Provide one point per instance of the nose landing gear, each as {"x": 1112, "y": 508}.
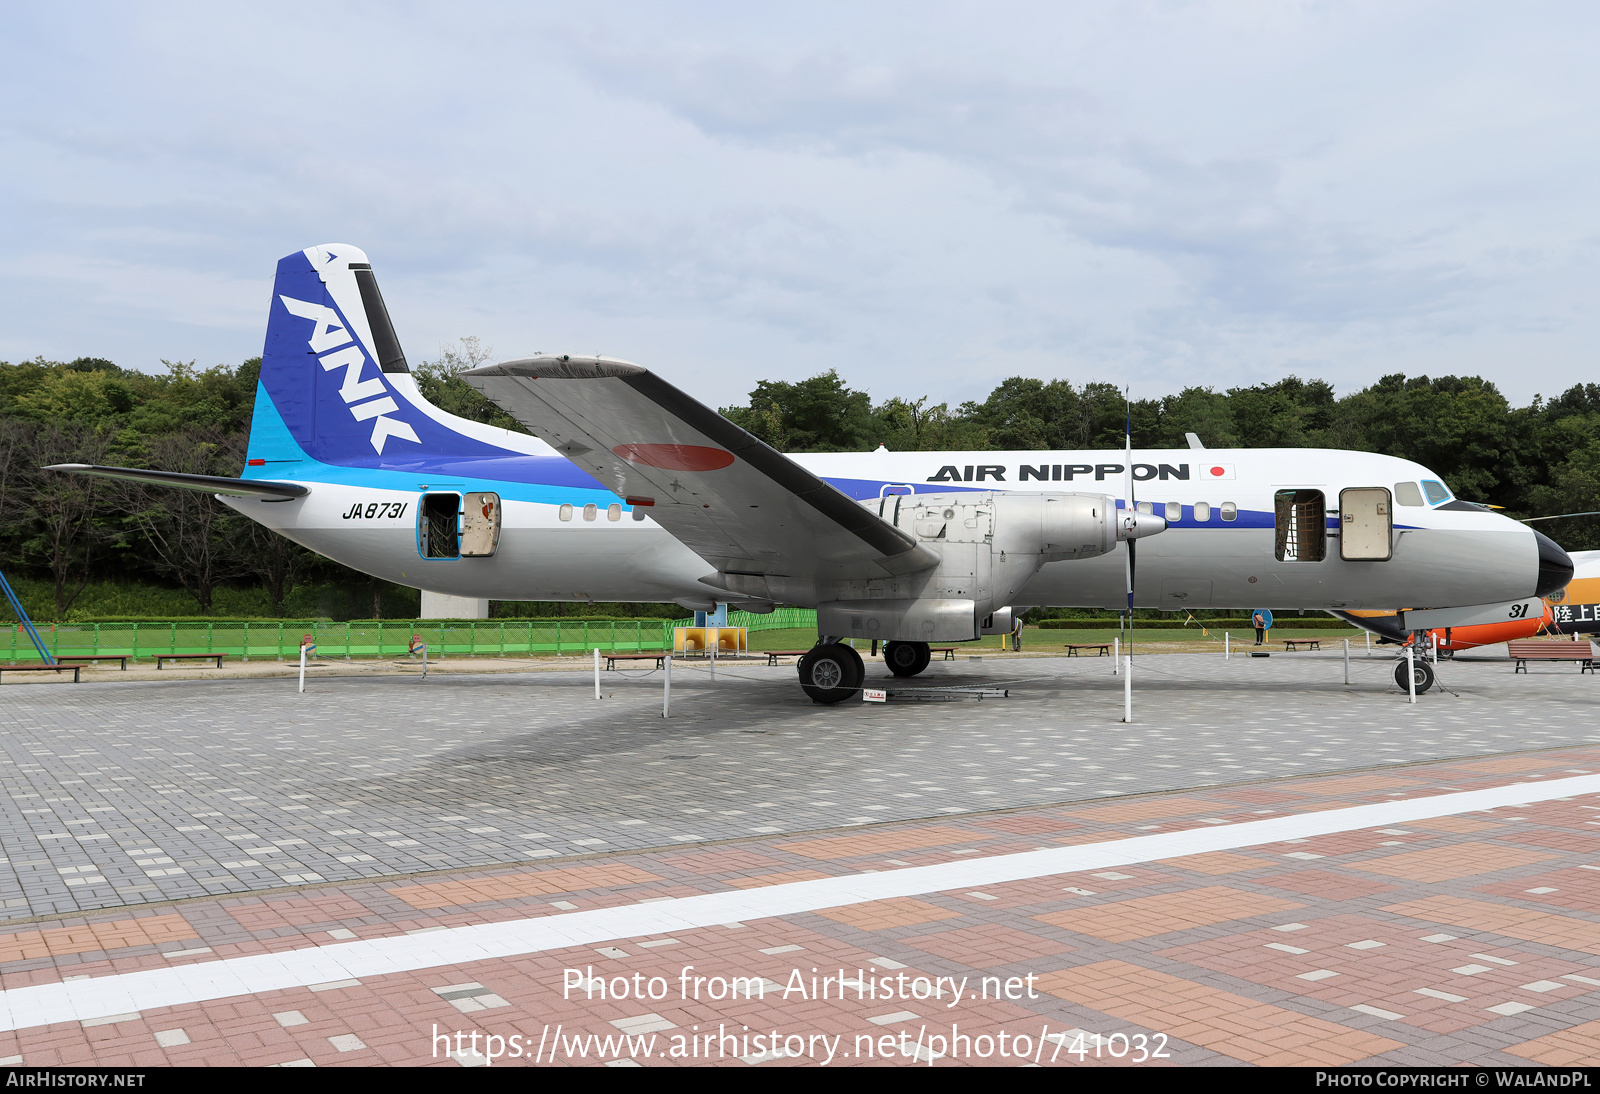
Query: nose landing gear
{"x": 1421, "y": 670}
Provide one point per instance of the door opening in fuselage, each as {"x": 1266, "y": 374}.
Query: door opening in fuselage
{"x": 438, "y": 526}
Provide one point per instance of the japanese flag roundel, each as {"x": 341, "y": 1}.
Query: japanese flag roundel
{"x": 1216, "y": 471}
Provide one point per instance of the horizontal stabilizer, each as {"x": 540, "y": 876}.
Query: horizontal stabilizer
{"x": 206, "y": 484}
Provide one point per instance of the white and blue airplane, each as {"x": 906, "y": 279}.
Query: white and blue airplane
{"x": 631, "y": 490}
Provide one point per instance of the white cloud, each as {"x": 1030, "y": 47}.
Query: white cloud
{"x": 927, "y": 198}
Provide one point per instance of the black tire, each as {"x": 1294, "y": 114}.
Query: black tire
{"x": 832, "y": 673}
{"x": 1421, "y": 669}
{"x": 1446, "y": 655}
{"x": 906, "y": 658}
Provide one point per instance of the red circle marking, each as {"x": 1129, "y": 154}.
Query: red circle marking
{"x": 675, "y": 457}
{"x": 1219, "y": 471}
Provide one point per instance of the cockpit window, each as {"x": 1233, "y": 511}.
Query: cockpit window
{"x": 1406, "y": 493}
{"x": 1436, "y": 491}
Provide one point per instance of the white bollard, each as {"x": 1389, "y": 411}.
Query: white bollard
{"x": 1347, "y": 662}
{"x": 597, "y": 672}
{"x": 1227, "y": 646}
{"x": 1411, "y": 672}
{"x": 714, "y": 646}
{"x": 1127, "y": 690}
{"x": 666, "y": 690}
{"x": 1116, "y": 654}
{"x": 1369, "y": 642}
{"x": 302, "y": 668}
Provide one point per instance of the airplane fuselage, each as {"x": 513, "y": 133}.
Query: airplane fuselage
{"x": 564, "y": 537}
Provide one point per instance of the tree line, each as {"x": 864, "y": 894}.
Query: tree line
{"x": 1540, "y": 459}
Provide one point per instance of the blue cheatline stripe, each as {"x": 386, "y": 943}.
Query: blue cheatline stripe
{"x": 123, "y": 993}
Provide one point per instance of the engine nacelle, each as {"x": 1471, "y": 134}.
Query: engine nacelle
{"x": 990, "y": 545}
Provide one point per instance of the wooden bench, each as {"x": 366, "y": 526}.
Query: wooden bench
{"x": 74, "y": 669}
{"x": 121, "y": 661}
{"x": 1103, "y": 647}
{"x": 773, "y": 655}
{"x": 1543, "y": 650}
{"x": 1309, "y": 643}
{"x": 660, "y": 658}
{"x": 217, "y": 657}
{"x": 948, "y": 651}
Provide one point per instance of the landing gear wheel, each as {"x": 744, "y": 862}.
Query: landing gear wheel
{"x": 1420, "y": 669}
{"x": 1445, "y": 655}
{"x": 832, "y": 673}
{"x": 906, "y": 658}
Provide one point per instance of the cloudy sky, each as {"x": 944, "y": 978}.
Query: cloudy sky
{"x": 929, "y": 198}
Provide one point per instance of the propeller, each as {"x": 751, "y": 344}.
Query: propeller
{"x": 1133, "y": 508}
{"x": 1558, "y": 516}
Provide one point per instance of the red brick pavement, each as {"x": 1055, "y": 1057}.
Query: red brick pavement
{"x": 1472, "y": 939}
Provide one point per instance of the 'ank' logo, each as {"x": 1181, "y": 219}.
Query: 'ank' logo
{"x": 328, "y": 333}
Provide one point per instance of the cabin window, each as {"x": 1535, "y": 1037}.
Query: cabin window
{"x": 1202, "y": 511}
{"x": 566, "y": 511}
{"x": 1436, "y": 491}
{"x": 1146, "y": 508}
{"x": 613, "y": 511}
{"x": 1230, "y": 511}
{"x": 638, "y": 512}
{"x": 590, "y": 511}
{"x": 1302, "y": 526}
{"x": 1174, "y": 512}
{"x": 438, "y": 534}
{"x": 1407, "y": 493}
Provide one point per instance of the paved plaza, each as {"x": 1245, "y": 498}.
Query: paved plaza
{"x": 194, "y": 823}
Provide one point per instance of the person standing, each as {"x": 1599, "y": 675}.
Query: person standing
{"x": 1259, "y": 621}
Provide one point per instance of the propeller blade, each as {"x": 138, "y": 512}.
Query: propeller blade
{"x": 1133, "y": 505}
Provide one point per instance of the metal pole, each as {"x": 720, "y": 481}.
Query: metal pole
{"x": 666, "y": 689}
{"x": 1227, "y": 646}
{"x": 1411, "y": 672}
{"x": 302, "y": 669}
{"x": 714, "y": 644}
{"x": 1347, "y": 662}
{"x": 597, "y": 672}
{"x": 1127, "y": 690}
{"x": 1116, "y": 654}
{"x": 1368, "y": 635}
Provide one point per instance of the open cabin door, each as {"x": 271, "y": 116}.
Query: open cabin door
{"x": 1366, "y": 524}
{"x": 480, "y": 525}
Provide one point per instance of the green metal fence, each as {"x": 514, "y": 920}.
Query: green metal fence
{"x": 271, "y": 640}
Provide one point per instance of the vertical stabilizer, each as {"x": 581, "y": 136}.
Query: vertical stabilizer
{"x": 329, "y": 369}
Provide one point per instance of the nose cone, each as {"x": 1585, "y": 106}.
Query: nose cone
{"x": 1555, "y": 568}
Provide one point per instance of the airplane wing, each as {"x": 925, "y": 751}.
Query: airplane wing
{"x": 206, "y": 484}
{"x": 736, "y": 502}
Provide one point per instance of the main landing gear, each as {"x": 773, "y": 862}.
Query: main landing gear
{"x": 906, "y": 658}
{"x": 831, "y": 672}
